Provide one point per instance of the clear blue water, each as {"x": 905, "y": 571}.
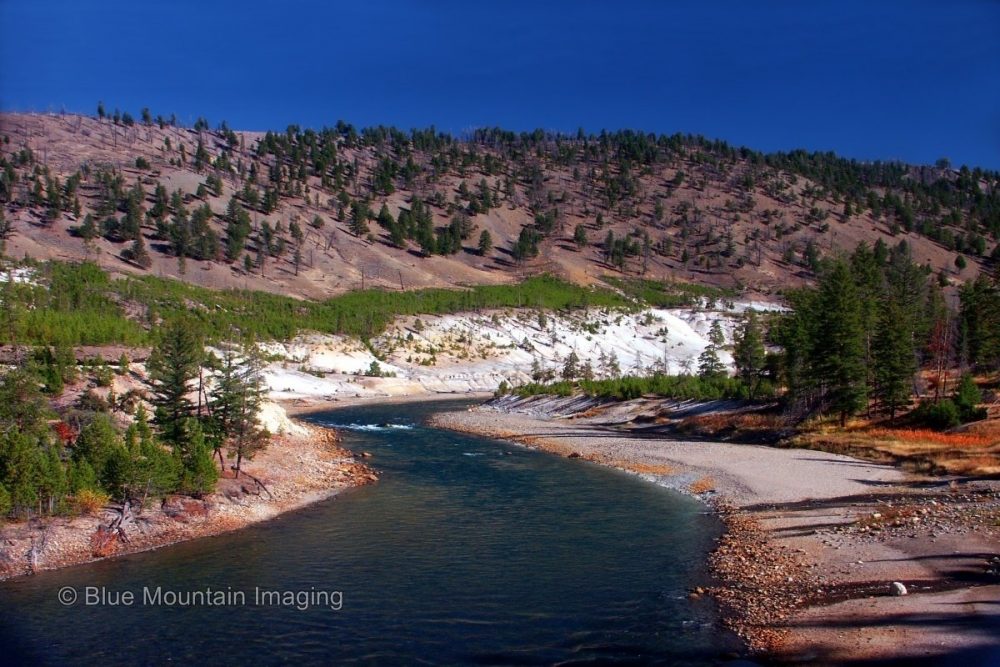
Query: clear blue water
{"x": 467, "y": 551}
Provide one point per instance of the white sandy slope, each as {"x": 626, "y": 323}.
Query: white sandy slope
{"x": 475, "y": 352}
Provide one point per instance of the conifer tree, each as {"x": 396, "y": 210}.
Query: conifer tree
{"x": 709, "y": 364}
{"x": 194, "y": 455}
{"x": 359, "y": 218}
{"x": 235, "y": 403}
{"x": 715, "y": 334}
{"x": 485, "y": 242}
{"x": 749, "y": 355}
{"x": 153, "y": 471}
{"x": 838, "y": 357}
{"x": 894, "y": 357}
{"x": 173, "y": 366}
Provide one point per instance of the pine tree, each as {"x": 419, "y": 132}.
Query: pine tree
{"x": 838, "y": 356}
{"x": 194, "y": 455}
{"x": 154, "y": 472}
{"x": 709, "y": 364}
{"x": 749, "y": 354}
{"x": 485, "y": 243}
{"x": 359, "y": 218}
{"x": 138, "y": 253}
{"x": 173, "y": 365}
{"x": 385, "y": 219}
{"x": 967, "y": 400}
{"x": 235, "y": 403}
{"x": 894, "y": 357}
{"x": 715, "y": 334}
{"x": 571, "y": 367}
{"x": 97, "y": 445}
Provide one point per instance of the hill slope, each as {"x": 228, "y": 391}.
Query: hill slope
{"x": 307, "y": 203}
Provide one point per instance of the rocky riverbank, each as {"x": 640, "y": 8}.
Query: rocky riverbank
{"x": 815, "y": 542}
{"x": 302, "y": 465}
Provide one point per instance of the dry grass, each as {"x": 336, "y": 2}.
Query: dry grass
{"x": 925, "y": 436}
{"x": 743, "y": 420}
{"x": 975, "y": 451}
{"x": 702, "y": 485}
{"x": 88, "y": 501}
{"x": 646, "y": 468}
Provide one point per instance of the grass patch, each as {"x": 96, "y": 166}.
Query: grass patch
{"x": 966, "y": 453}
{"x": 78, "y": 304}
{"x": 669, "y": 294}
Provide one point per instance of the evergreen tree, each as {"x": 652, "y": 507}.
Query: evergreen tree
{"x": 235, "y": 403}
{"x": 100, "y": 446}
{"x": 138, "y": 253}
{"x": 715, "y": 334}
{"x": 485, "y": 243}
{"x": 194, "y": 455}
{"x": 894, "y": 358}
{"x": 749, "y": 354}
{"x": 571, "y": 367}
{"x": 709, "y": 364}
{"x": 385, "y": 219}
{"x": 967, "y": 400}
{"x": 397, "y": 235}
{"x": 838, "y": 357}
{"x": 359, "y": 218}
{"x": 153, "y": 471}
{"x": 173, "y": 365}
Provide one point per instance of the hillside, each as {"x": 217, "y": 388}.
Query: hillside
{"x": 316, "y": 213}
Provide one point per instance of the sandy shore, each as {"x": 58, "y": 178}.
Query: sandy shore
{"x": 814, "y": 542}
{"x": 296, "y": 470}
{"x": 303, "y": 406}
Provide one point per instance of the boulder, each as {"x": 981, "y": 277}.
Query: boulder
{"x": 897, "y": 589}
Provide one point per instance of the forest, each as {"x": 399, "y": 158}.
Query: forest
{"x": 871, "y": 337}
{"x": 102, "y": 449}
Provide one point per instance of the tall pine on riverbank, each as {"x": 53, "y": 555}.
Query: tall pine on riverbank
{"x": 838, "y": 359}
{"x": 235, "y": 403}
{"x": 173, "y": 366}
{"x": 860, "y": 333}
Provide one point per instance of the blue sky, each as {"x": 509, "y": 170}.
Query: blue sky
{"x": 903, "y": 79}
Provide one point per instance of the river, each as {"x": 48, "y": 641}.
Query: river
{"x": 467, "y": 551}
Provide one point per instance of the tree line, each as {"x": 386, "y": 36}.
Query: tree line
{"x": 110, "y": 449}
{"x": 856, "y": 341}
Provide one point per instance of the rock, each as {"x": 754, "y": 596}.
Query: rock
{"x": 897, "y": 589}
{"x": 574, "y": 455}
{"x": 366, "y": 455}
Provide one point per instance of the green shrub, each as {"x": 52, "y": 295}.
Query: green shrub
{"x": 967, "y": 400}
{"x": 681, "y": 387}
{"x": 940, "y": 415}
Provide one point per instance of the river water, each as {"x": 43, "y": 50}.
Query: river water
{"x": 467, "y": 551}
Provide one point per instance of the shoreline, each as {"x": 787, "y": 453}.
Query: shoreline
{"x": 299, "y": 407}
{"x": 813, "y": 541}
{"x": 53, "y": 543}
{"x": 37, "y": 546}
